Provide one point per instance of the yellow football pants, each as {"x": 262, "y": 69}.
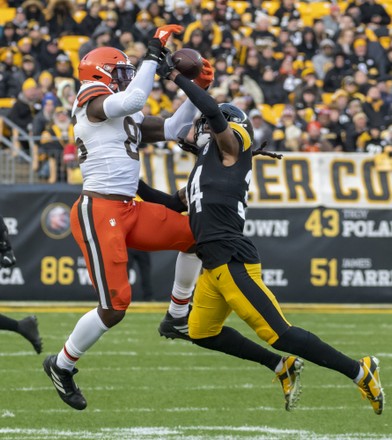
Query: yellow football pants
{"x": 235, "y": 286}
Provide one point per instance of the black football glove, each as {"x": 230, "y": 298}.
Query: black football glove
{"x": 154, "y": 50}
{"x": 166, "y": 64}
{"x": 190, "y": 148}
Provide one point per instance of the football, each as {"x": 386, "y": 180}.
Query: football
{"x": 188, "y": 61}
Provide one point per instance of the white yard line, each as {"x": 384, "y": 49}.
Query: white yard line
{"x": 188, "y": 433}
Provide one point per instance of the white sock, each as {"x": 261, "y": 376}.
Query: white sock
{"x": 279, "y": 367}
{"x": 188, "y": 268}
{"x": 360, "y": 375}
{"x": 87, "y": 331}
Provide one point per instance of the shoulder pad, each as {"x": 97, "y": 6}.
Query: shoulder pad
{"x": 92, "y": 92}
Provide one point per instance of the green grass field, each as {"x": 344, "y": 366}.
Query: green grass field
{"x": 141, "y": 386}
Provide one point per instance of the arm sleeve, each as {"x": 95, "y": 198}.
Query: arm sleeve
{"x": 149, "y": 194}
{"x": 177, "y": 126}
{"x": 204, "y": 102}
{"x": 133, "y": 98}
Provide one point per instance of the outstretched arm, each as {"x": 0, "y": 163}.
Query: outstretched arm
{"x": 174, "y": 201}
{"x": 224, "y": 135}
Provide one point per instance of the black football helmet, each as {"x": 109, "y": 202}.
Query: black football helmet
{"x": 237, "y": 118}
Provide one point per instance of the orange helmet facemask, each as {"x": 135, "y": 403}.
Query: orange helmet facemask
{"x": 108, "y": 65}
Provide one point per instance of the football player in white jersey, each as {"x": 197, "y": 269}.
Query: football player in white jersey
{"x": 106, "y": 220}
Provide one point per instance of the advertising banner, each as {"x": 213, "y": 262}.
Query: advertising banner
{"x": 322, "y": 224}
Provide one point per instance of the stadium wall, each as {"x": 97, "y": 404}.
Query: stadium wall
{"x": 322, "y": 224}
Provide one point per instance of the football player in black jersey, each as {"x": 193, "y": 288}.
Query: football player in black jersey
{"x": 231, "y": 277}
{"x": 27, "y": 327}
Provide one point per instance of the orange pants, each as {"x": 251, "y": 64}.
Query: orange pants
{"x": 104, "y": 229}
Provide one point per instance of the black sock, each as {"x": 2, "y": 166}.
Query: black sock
{"x": 8, "y": 324}
{"x": 307, "y": 345}
{"x": 231, "y": 342}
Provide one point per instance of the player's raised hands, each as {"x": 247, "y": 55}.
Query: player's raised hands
{"x": 206, "y": 76}
{"x": 163, "y": 32}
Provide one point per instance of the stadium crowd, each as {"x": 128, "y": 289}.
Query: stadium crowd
{"x": 312, "y": 76}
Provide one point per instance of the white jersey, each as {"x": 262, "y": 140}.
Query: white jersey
{"x": 108, "y": 150}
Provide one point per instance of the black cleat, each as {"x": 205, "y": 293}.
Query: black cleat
{"x": 63, "y": 381}
{"x": 28, "y": 328}
{"x": 174, "y": 328}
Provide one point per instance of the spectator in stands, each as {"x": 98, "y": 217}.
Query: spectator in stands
{"x": 27, "y": 70}
{"x": 374, "y": 14}
{"x": 144, "y": 28}
{"x": 349, "y": 85}
{"x": 334, "y": 76}
{"x": 37, "y": 40}
{"x": 288, "y": 74}
{"x": 197, "y": 42}
{"x": 211, "y": 32}
{"x": 309, "y": 83}
{"x": 25, "y": 45}
{"x": 112, "y": 21}
{"x": 127, "y": 11}
{"x": 376, "y": 110}
{"x": 71, "y": 164}
{"x": 64, "y": 70}
{"x": 54, "y": 138}
{"x": 323, "y": 61}
{"x": 371, "y": 141}
{"x": 9, "y": 85}
{"x": 261, "y": 34}
{"x": 34, "y": 11}
{"x": 159, "y": 102}
{"x": 59, "y": 17}
{"x": 309, "y": 44}
{"x": 45, "y": 115}
{"x": 265, "y": 56}
{"x": 92, "y": 19}
{"x": 285, "y": 12}
{"x": 319, "y": 30}
{"x": 262, "y": 131}
{"x": 226, "y": 49}
{"x": 383, "y": 85}
{"x": 181, "y": 14}
{"x": 353, "y": 131}
{"x": 330, "y": 129}
{"x": 272, "y": 87}
{"x": 294, "y": 28}
{"x": 306, "y": 104}
{"x": 46, "y": 82}
{"x": 361, "y": 59}
{"x": 345, "y": 40}
{"x": 157, "y": 13}
{"x": 362, "y": 81}
{"x": 281, "y": 39}
{"x": 352, "y": 9}
{"x": 102, "y": 36}
{"x": 221, "y": 73}
{"x": 40, "y": 121}
{"x": 8, "y": 36}
{"x": 314, "y": 139}
{"x": 288, "y": 133}
{"x": 20, "y": 22}
{"x": 66, "y": 93}
{"x": 331, "y": 20}
{"x": 48, "y": 54}
{"x": 24, "y": 109}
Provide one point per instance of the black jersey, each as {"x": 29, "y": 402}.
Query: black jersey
{"x": 217, "y": 200}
